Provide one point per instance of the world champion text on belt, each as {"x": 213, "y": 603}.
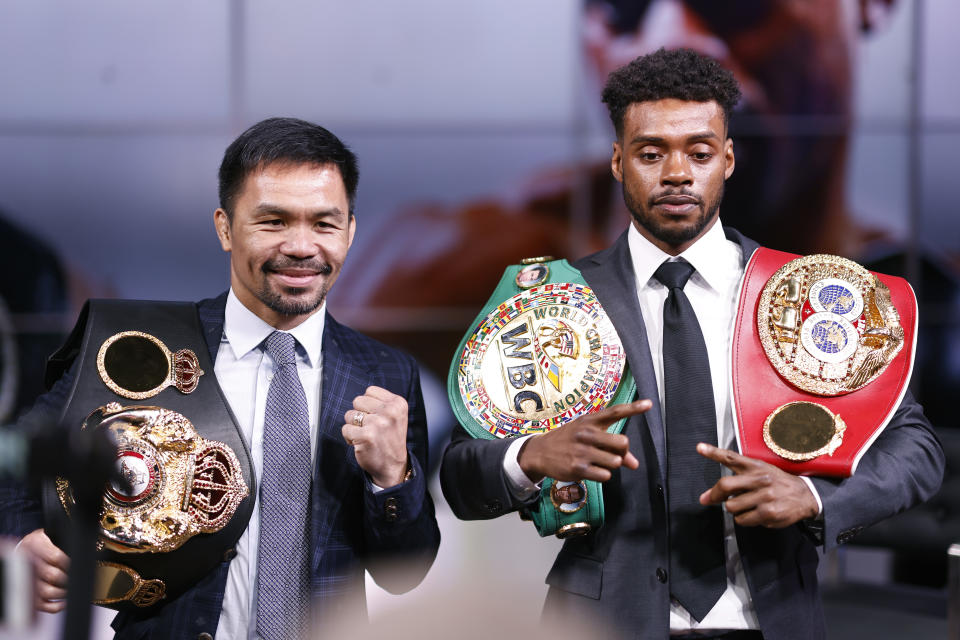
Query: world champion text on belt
{"x": 541, "y": 353}
{"x": 833, "y": 337}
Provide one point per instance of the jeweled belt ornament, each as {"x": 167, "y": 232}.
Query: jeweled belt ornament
{"x": 177, "y": 484}
{"x": 541, "y": 353}
{"x": 819, "y": 359}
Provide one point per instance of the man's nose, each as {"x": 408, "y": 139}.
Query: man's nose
{"x": 676, "y": 170}
{"x": 299, "y": 242}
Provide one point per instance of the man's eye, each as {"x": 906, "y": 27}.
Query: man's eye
{"x": 650, "y": 156}
{"x": 702, "y": 156}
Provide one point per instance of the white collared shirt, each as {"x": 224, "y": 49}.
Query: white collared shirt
{"x": 244, "y": 372}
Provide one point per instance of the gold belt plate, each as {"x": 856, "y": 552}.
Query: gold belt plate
{"x": 178, "y": 484}
{"x": 827, "y": 325}
{"x": 540, "y": 359}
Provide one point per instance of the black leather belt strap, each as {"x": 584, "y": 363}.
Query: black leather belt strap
{"x": 178, "y": 326}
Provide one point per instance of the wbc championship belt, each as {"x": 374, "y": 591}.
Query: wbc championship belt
{"x": 541, "y": 353}
{"x": 822, "y": 355}
{"x": 179, "y": 496}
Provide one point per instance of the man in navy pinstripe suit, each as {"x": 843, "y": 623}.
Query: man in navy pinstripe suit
{"x": 287, "y": 190}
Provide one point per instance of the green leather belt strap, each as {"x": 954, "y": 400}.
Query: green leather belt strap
{"x": 541, "y": 353}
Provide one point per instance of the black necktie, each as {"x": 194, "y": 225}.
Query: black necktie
{"x": 697, "y": 569}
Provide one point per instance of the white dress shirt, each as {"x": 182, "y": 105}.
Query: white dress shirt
{"x": 712, "y": 291}
{"x": 244, "y": 371}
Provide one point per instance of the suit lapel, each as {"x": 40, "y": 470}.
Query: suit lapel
{"x": 610, "y": 274}
{"x": 211, "y": 312}
{"x": 747, "y": 246}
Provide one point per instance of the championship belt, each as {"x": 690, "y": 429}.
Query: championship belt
{"x": 822, "y": 355}
{"x": 541, "y": 353}
{"x": 179, "y": 499}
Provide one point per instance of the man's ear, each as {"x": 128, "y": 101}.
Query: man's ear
{"x": 616, "y": 162}
{"x": 728, "y": 156}
{"x": 351, "y": 229}
{"x": 221, "y": 222}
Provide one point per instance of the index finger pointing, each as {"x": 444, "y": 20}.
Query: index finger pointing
{"x": 608, "y": 416}
{"x": 730, "y": 459}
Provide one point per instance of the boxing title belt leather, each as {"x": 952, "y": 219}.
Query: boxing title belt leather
{"x": 185, "y": 495}
{"x": 822, "y": 355}
{"x": 541, "y": 353}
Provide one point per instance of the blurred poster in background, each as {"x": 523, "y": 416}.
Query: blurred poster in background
{"x": 481, "y": 140}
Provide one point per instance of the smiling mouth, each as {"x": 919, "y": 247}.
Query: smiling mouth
{"x": 295, "y": 278}
{"x": 296, "y": 275}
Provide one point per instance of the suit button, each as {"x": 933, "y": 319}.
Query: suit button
{"x": 660, "y": 491}
{"x": 845, "y": 536}
{"x": 391, "y": 509}
{"x": 494, "y": 506}
{"x": 229, "y": 554}
{"x": 662, "y": 575}
{"x": 204, "y": 636}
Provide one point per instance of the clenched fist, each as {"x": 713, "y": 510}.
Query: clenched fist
{"x": 376, "y": 427}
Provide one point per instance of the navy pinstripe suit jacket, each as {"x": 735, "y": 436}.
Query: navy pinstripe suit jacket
{"x": 350, "y": 527}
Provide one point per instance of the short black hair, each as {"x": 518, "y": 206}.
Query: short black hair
{"x": 682, "y": 74}
{"x": 284, "y": 140}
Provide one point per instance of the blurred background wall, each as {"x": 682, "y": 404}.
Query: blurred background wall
{"x": 481, "y": 141}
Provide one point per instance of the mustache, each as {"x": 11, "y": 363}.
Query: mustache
{"x": 655, "y": 198}
{"x": 307, "y": 264}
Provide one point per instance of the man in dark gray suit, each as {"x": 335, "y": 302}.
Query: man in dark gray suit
{"x": 672, "y": 156}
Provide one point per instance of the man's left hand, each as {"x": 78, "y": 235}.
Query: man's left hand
{"x": 758, "y": 494}
{"x": 380, "y": 440}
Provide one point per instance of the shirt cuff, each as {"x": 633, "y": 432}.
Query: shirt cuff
{"x": 519, "y": 484}
{"x": 816, "y": 496}
{"x": 375, "y": 488}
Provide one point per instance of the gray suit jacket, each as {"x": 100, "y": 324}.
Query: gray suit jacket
{"x": 617, "y": 574}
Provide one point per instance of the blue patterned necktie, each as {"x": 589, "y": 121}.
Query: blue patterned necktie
{"x": 697, "y": 563}
{"x": 283, "y": 578}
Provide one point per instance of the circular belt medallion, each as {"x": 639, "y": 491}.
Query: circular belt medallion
{"x": 827, "y": 325}
{"x": 137, "y": 365}
{"x": 829, "y": 337}
{"x": 141, "y": 474}
{"x": 532, "y": 275}
{"x": 837, "y": 296}
{"x": 801, "y": 431}
{"x": 568, "y": 497}
{"x": 540, "y": 359}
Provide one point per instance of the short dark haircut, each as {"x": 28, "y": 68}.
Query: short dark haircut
{"x": 682, "y": 74}
{"x": 284, "y": 140}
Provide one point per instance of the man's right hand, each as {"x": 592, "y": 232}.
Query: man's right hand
{"x": 582, "y": 449}
{"x": 50, "y": 568}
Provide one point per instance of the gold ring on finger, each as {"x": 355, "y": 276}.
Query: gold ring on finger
{"x": 358, "y": 418}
